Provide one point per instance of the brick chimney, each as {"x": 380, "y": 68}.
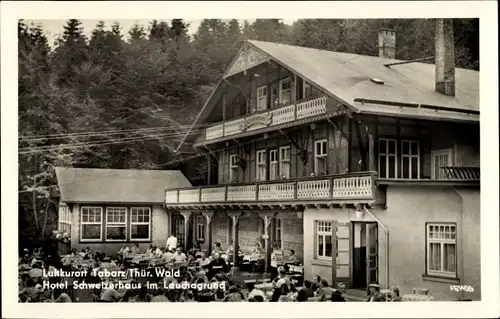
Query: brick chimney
{"x": 387, "y": 43}
{"x": 445, "y": 57}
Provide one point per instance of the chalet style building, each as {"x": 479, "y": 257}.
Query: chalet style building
{"x": 367, "y": 167}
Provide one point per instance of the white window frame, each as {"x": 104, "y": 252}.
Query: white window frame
{"x": 437, "y": 153}
{"x": 200, "y": 228}
{"x": 322, "y": 155}
{"x": 91, "y": 223}
{"x": 261, "y": 165}
{"x": 282, "y": 91}
{"x": 284, "y": 158}
{"x": 278, "y": 231}
{"x": 305, "y": 86}
{"x": 410, "y": 156}
{"x": 388, "y": 155}
{"x": 323, "y": 229}
{"x": 64, "y": 219}
{"x": 442, "y": 242}
{"x": 274, "y": 172}
{"x": 233, "y": 167}
{"x": 262, "y": 94}
{"x": 115, "y": 224}
{"x": 132, "y": 223}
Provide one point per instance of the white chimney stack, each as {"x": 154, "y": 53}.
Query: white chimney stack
{"x": 387, "y": 43}
{"x": 445, "y": 57}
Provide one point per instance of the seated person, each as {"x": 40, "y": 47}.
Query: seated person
{"x": 111, "y": 295}
{"x": 151, "y": 249}
{"x": 217, "y": 265}
{"x": 253, "y": 292}
{"x": 168, "y": 256}
{"x": 324, "y": 289}
{"x": 135, "y": 249}
{"x": 203, "y": 260}
{"x": 218, "y": 249}
{"x": 179, "y": 256}
{"x": 305, "y": 292}
{"x": 257, "y": 252}
{"x": 292, "y": 258}
{"x": 124, "y": 250}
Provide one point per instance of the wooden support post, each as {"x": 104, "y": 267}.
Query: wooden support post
{"x": 267, "y": 217}
{"x": 208, "y": 216}
{"x": 186, "y": 216}
{"x": 334, "y": 254}
{"x": 235, "y": 217}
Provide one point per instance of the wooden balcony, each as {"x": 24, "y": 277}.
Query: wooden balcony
{"x": 273, "y": 118}
{"x": 321, "y": 191}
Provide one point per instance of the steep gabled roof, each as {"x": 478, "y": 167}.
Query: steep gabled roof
{"x": 351, "y": 79}
{"x": 89, "y": 185}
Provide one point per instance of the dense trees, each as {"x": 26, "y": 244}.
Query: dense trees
{"x": 152, "y": 80}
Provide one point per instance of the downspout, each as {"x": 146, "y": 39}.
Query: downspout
{"x": 386, "y": 245}
{"x": 462, "y": 256}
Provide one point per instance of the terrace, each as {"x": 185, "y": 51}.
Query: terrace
{"x": 320, "y": 191}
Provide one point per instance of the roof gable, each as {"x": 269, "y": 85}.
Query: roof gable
{"x": 89, "y": 185}
{"x": 247, "y": 57}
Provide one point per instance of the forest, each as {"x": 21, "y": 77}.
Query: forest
{"x": 124, "y": 98}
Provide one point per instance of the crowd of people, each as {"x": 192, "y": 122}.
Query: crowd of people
{"x": 194, "y": 267}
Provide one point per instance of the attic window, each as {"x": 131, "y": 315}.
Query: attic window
{"x": 377, "y": 81}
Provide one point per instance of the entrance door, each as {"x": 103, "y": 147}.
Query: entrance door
{"x": 365, "y": 254}
{"x": 371, "y": 253}
{"x": 178, "y": 229}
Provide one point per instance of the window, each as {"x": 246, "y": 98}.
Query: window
{"x": 324, "y": 240}
{"x": 278, "y": 233}
{"x": 285, "y": 91}
{"x": 285, "y": 161}
{"x": 410, "y": 159}
{"x": 387, "y": 158}
{"x": 441, "y": 158}
{"x": 273, "y": 164}
{"x": 64, "y": 219}
{"x": 91, "y": 224}
{"x": 306, "y": 90}
{"x": 320, "y": 157}
{"x": 140, "y": 224}
{"x": 116, "y": 223}
{"x": 200, "y": 228}
{"x": 262, "y": 98}
{"x": 442, "y": 249}
{"x": 233, "y": 168}
{"x": 261, "y": 165}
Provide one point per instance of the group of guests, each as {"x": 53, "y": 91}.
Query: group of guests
{"x": 168, "y": 255}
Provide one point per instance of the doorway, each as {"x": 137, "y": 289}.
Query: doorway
{"x": 365, "y": 254}
{"x": 178, "y": 228}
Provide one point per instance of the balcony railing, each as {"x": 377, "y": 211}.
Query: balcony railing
{"x": 356, "y": 186}
{"x": 301, "y": 110}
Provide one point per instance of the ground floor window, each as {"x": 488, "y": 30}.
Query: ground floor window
{"x": 441, "y": 249}
{"x": 324, "y": 245}
{"x": 64, "y": 220}
{"x": 140, "y": 223}
{"x": 200, "y": 228}
{"x": 91, "y": 223}
{"x": 115, "y": 223}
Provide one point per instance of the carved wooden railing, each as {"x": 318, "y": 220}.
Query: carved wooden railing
{"x": 462, "y": 173}
{"x": 303, "y": 109}
{"x": 355, "y": 186}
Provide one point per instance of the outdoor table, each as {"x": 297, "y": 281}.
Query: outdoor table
{"x": 416, "y": 297}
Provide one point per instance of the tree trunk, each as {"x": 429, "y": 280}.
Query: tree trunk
{"x": 35, "y": 213}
